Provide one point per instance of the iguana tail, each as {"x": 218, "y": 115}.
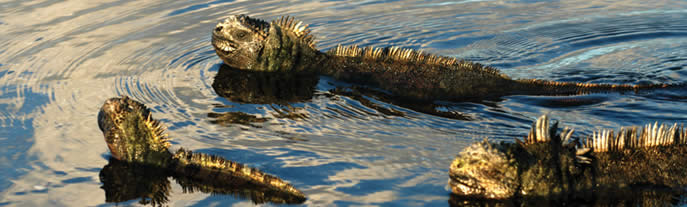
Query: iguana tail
{"x": 544, "y": 87}
{"x": 221, "y": 172}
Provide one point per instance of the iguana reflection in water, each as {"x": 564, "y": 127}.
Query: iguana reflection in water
{"x": 142, "y": 162}
{"x": 283, "y": 89}
{"x": 257, "y": 87}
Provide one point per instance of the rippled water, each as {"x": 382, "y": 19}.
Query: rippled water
{"x": 60, "y": 60}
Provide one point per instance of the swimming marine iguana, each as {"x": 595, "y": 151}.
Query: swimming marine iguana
{"x": 552, "y": 165}
{"x": 286, "y": 45}
{"x": 134, "y": 137}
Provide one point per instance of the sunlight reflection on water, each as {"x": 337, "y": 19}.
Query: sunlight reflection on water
{"x": 59, "y": 60}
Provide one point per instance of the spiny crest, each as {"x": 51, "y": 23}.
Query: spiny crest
{"x": 541, "y": 132}
{"x": 159, "y": 137}
{"x": 650, "y": 135}
{"x": 258, "y": 25}
{"x": 297, "y": 27}
{"x": 206, "y": 161}
{"x": 409, "y": 55}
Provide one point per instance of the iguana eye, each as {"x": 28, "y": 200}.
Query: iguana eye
{"x": 241, "y": 34}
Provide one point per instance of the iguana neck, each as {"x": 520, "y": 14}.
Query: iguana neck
{"x": 286, "y": 51}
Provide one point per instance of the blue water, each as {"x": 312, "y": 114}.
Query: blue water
{"x": 60, "y": 60}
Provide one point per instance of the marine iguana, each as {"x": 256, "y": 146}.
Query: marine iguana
{"x": 286, "y": 45}
{"x": 552, "y": 165}
{"x": 134, "y": 137}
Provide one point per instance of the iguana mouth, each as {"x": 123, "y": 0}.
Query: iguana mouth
{"x": 223, "y": 44}
{"x": 464, "y": 186}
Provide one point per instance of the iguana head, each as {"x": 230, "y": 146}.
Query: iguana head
{"x": 535, "y": 166}
{"x": 483, "y": 170}
{"x": 239, "y": 40}
{"x": 253, "y": 44}
{"x": 131, "y": 134}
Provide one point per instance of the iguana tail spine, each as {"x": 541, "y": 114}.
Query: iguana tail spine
{"x": 217, "y": 168}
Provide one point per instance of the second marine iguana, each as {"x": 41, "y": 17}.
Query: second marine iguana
{"x": 134, "y": 137}
{"x": 286, "y": 45}
{"x": 552, "y": 165}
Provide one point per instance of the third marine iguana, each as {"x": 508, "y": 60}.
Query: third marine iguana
{"x": 135, "y": 138}
{"x": 552, "y": 165}
{"x": 286, "y": 45}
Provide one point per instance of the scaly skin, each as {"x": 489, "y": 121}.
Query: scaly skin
{"x": 551, "y": 165}
{"x": 133, "y": 136}
{"x": 286, "y": 45}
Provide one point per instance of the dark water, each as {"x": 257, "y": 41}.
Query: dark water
{"x": 60, "y": 60}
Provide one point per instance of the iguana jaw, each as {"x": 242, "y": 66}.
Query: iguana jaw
{"x": 465, "y": 186}
{"x": 239, "y": 40}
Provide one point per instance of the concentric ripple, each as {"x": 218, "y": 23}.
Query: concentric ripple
{"x": 341, "y": 144}
{"x": 633, "y": 47}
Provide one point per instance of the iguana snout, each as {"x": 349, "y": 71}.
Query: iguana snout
{"x": 239, "y": 40}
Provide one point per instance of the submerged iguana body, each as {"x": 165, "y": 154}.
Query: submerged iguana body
{"x": 552, "y": 165}
{"x": 287, "y": 45}
{"x": 133, "y": 136}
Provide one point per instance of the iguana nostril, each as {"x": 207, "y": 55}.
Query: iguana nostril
{"x": 217, "y": 29}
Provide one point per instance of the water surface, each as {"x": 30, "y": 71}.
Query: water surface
{"x": 60, "y": 60}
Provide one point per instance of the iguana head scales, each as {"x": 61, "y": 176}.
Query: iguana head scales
{"x": 253, "y": 44}
{"x": 483, "y": 170}
{"x": 131, "y": 134}
{"x": 239, "y": 40}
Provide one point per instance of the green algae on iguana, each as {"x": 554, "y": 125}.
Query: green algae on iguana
{"x": 556, "y": 166}
{"x": 134, "y": 137}
{"x": 286, "y": 45}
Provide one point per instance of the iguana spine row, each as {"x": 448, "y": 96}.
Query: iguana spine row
{"x": 606, "y": 140}
{"x": 651, "y": 135}
{"x": 408, "y": 55}
{"x": 301, "y": 30}
{"x": 219, "y": 166}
